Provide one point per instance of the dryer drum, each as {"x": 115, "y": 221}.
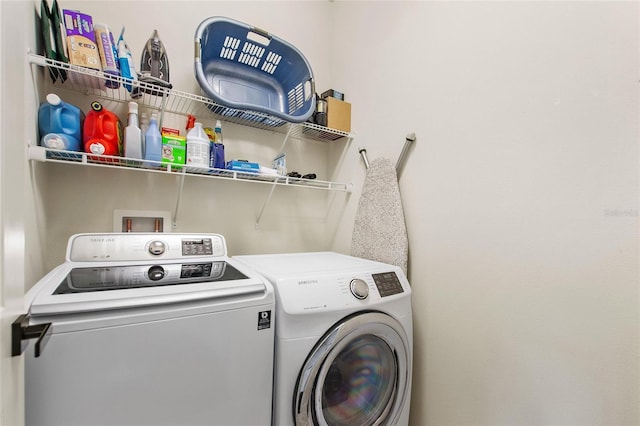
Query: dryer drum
{"x": 356, "y": 375}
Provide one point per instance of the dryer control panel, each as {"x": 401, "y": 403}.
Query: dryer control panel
{"x": 307, "y": 283}
{"x": 387, "y": 283}
{"x": 336, "y": 292}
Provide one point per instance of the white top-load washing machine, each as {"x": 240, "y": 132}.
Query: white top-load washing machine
{"x": 149, "y": 329}
{"x": 343, "y": 339}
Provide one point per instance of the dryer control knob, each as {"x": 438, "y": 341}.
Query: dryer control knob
{"x": 359, "y": 288}
{"x": 157, "y": 247}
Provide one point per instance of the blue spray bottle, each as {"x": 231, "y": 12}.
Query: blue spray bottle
{"x": 217, "y": 154}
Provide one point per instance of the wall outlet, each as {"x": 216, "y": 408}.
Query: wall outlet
{"x": 141, "y": 221}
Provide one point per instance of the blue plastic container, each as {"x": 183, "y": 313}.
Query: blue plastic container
{"x": 60, "y": 124}
{"x": 246, "y": 71}
{"x": 153, "y": 142}
{"x": 216, "y": 156}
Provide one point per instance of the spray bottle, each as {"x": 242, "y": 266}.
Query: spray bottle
{"x": 125, "y": 61}
{"x": 133, "y": 134}
{"x": 217, "y": 156}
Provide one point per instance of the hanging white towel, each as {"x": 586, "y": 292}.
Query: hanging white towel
{"x": 380, "y": 232}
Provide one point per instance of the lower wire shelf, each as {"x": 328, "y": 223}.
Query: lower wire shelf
{"x": 43, "y": 154}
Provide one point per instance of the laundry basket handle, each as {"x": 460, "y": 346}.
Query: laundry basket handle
{"x": 259, "y": 36}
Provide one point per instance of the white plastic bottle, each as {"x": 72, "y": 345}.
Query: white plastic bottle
{"x": 133, "y": 134}
{"x": 153, "y": 141}
{"x": 197, "y": 147}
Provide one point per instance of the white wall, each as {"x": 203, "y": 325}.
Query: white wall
{"x": 521, "y": 199}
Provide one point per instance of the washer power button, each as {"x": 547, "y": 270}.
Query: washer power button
{"x": 359, "y": 288}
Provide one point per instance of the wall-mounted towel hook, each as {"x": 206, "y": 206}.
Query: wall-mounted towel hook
{"x": 411, "y": 137}
{"x": 363, "y": 152}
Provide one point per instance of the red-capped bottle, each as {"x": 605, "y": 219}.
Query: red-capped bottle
{"x": 102, "y": 133}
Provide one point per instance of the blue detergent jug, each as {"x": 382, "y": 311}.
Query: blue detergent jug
{"x": 60, "y": 124}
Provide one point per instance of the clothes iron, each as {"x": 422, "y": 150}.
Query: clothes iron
{"x": 154, "y": 67}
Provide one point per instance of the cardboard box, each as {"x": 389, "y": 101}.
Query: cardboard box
{"x": 243, "y": 166}
{"x": 332, "y": 94}
{"x": 174, "y": 149}
{"x": 81, "y": 40}
{"x": 338, "y": 114}
{"x": 81, "y": 46}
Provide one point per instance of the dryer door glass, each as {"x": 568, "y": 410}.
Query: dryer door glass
{"x": 358, "y": 385}
{"x": 357, "y": 374}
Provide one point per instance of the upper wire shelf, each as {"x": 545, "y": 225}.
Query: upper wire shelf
{"x": 92, "y": 82}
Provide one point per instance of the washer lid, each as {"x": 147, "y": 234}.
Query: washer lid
{"x": 119, "y": 277}
{"x": 85, "y": 287}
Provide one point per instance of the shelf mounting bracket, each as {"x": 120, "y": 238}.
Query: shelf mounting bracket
{"x": 264, "y": 205}
{"x": 273, "y": 187}
{"x": 174, "y": 218}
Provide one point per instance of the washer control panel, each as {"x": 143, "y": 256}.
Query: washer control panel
{"x": 197, "y": 247}
{"x": 135, "y": 246}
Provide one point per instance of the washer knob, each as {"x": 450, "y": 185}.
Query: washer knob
{"x": 359, "y": 288}
{"x": 156, "y": 273}
{"x": 156, "y": 248}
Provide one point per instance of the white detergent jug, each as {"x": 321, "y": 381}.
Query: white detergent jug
{"x": 197, "y": 147}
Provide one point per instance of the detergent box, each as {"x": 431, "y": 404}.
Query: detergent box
{"x": 243, "y": 166}
{"x": 81, "y": 45}
{"x": 174, "y": 148}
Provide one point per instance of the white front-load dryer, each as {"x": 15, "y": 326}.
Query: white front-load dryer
{"x": 343, "y": 351}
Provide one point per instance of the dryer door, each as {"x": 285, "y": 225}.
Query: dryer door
{"x": 356, "y": 375}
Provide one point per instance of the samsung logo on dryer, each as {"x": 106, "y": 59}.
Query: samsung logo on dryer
{"x": 307, "y": 282}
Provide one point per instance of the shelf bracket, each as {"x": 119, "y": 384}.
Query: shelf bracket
{"x": 273, "y": 187}
{"x": 286, "y": 139}
{"x": 264, "y": 205}
{"x": 174, "y": 218}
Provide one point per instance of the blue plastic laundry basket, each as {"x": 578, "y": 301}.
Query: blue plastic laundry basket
{"x": 246, "y": 70}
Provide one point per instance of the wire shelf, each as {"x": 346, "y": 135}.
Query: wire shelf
{"x": 93, "y": 83}
{"x": 43, "y": 154}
